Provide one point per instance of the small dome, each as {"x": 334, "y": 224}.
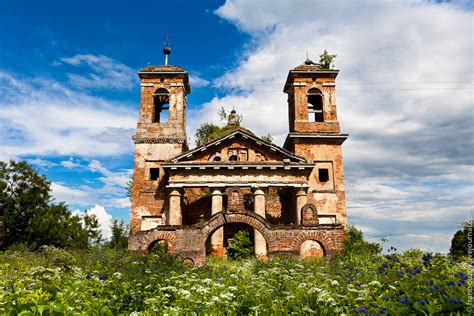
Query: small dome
{"x": 309, "y": 62}
{"x": 166, "y": 50}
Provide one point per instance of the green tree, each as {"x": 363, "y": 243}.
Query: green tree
{"x": 326, "y": 61}
{"x": 355, "y": 244}
{"x": 267, "y": 138}
{"x": 30, "y": 216}
{"x": 205, "y": 133}
{"x": 460, "y": 241}
{"x": 240, "y": 246}
{"x": 129, "y": 187}
{"x": 119, "y": 239}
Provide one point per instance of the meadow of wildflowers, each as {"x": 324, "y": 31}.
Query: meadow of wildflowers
{"x": 109, "y": 282}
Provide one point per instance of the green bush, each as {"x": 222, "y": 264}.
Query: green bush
{"x": 240, "y": 246}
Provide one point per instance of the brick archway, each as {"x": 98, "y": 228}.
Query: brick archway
{"x": 156, "y": 236}
{"x": 326, "y": 242}
{"x": 250, "y": 218}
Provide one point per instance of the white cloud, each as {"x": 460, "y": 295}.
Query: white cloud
{"x": 404, "y": 94}
{"x": 70, "y": 164}
{"x": 197, "y": 82}
{"x": 103, "y": 72}
{"x": 41, "y": 162}
{"x": 43, "y": 117}
{"x": 104, "y": 219}
{"x": 107, "y": 190}
{"x": 63, "y": 193}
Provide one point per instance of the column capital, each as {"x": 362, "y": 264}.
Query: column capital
{"x": 216, "y": 191}
{"x": 258, "y": 191}
{"x": 301, "y": 191}
{"x": 175, "y": 192}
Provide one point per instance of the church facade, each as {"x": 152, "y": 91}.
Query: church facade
{"x": 290, "y": 199}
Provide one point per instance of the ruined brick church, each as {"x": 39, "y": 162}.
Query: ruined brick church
{"x": 290, "y": 199}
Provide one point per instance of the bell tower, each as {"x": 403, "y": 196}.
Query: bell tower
{"x": 314, "y": 133}
{"x": 160, "y": 135}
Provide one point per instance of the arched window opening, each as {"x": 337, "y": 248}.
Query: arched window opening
{"x": 161, "y": 100}
{"x": 233, "y": 158}
{"x": 215, "y": 157}
{"x": 260, "y": 157}
{"x": 315, "y": 105}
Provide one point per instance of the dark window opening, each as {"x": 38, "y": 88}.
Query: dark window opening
{"x": 315, "y": 105}
{"x": 233, "y": 158}
{"x": 323, "y": 175}
{"x": 154, "y": 173}
{"x": 161, "y": 99}
{"x": 217, "y": 158}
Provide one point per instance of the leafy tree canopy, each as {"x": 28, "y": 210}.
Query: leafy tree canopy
{"x": 208, "y": 131}
{"x": 30, "y": 216}
{"x": 119, "y": 239}
{"x": 326, "y": 61}
{"x": 460, "y": 241}
{"x": 356, "y": 245}
{"x": 240, "y": 246}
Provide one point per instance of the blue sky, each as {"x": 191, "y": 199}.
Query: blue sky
{"x": 69, "y": 94}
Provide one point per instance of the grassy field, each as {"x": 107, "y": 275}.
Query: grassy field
{"x": 105, "y": 282}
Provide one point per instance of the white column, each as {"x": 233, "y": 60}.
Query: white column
{"x": 175, "y": 215}
{"x": 217, "y": 238}
{"x": 259, "y": 241}
{"x": 301, "y": 200}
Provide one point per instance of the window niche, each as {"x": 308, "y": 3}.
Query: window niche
{"x": 238, "y": 154}
{"x": 154, "y": 173}
{"x": 315, "y": 105}
{"x": 323, "y": 175}
{"x": 161, "y": 100}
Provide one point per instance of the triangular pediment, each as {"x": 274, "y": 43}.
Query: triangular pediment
{"x": 239, "y": 146}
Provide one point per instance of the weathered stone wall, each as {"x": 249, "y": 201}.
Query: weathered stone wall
{"x": 329, "y": 197}
{"x": 189, "y": 242}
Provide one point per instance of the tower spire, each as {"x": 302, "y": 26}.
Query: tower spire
{"x": 166, "y": 49}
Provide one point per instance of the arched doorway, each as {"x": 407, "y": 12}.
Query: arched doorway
{"x": 311, "y": 249}
{"x": 259, "y": 231}
{"x": 234, "y": 235}
{"x": 159, "y": 246}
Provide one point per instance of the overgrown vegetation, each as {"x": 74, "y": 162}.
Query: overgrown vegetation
{"x": 208, "y": 131}
{"x": 31, "y": 217}
{"x": 104, "y": 281}
{"x": 326, "y": 60}
{"x": 240, "y": 246}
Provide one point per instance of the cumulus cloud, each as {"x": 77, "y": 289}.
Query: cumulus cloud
{"x": 43, "y": 117}
{"x": 404, "y": 94}
{"x": 102, "y": 72}
{"x": 104, "y": 219}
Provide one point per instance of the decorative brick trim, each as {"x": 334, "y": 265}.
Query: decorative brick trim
{"x": 158, "y": 140}
{"x": 154, "y": 236}
{"x": 254, "y": 220}
{"x": 326, "y": 242}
